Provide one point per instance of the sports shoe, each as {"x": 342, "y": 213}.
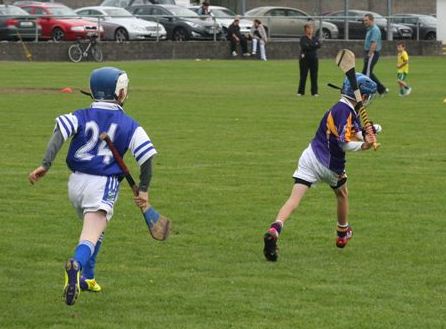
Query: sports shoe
{"x": 341, "y": 241}
{"x": 246, "y": 54}
{"x": 408, "y": 91}
{"x": 315, "y": 95}
{"x": 72, "y": 287}
{"x": 385, "y": 92}
{"x": 234, "y": 53}
{"x": 270, "y": 250}
{"x": 299, "y": 94}
{"x": 89, "y": 285}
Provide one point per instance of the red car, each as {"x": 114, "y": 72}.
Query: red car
{"x": 60, "y": 22}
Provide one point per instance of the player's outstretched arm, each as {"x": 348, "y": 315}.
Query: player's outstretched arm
{"x": 53, "y": 147}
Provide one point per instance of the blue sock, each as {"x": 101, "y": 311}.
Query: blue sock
{"x": 83, "y": 252}
{"x": 88, "y": 271}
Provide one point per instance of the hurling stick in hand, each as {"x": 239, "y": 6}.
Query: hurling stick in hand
{"x": 345, "y": 59}
{"x": 159, "y": 226}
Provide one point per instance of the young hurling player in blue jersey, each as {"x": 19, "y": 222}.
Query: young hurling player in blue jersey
{"x": 94, "y": 182}
{"x": 324, "y": 160}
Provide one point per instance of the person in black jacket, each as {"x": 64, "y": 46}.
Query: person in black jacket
{"x": 236, "y": 37}
{"x": 308, "y": 60}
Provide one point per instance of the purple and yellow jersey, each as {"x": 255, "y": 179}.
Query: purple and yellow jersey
{"x": 339, "y": 125}
{"x": 87, "y": 153}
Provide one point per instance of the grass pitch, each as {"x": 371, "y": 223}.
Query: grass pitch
{"x": 228, "y": 135}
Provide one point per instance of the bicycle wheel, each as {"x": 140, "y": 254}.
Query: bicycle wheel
{"x": 96, "y": 52}
{"x": 75, "y": 53}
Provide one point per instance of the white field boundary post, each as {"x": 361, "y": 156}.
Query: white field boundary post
{"x": 441, "y": 21}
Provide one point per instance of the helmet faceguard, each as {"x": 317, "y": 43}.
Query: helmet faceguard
{"x": 109, "y": 84}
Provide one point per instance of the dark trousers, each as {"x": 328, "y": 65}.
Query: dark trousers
{"x": 305, "y": 65}
{"x": 243, "y": 44}
{"x": 369, "y": 64}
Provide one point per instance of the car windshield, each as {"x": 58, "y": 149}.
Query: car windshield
{"x": 116, "y": 3}
{"x": 117, "y": 12}
{"x": 183, "y": 12}
{"x": 62, "y": 11}
{"x": 428, "y": 20}
{"x": 12, "y": 10}
{"x": 223, "y": 13}
{"x": 252, "y": 12}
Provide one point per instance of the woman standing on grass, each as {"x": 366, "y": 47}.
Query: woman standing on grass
{"x": 308, "y": 60}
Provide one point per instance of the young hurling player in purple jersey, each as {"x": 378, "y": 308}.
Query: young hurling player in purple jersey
{"x": 94, "y": 182}
{"x": 324, "y": 160}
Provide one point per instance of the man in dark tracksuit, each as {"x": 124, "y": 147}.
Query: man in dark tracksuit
{"x": 308, "y": 60}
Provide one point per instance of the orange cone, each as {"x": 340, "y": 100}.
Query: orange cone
{"x": 67, "y": 90}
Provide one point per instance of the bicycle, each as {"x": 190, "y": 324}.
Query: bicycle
{"x": 77, "y": 51}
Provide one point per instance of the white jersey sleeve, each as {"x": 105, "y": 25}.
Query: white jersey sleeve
{"x": 67, "y": 124}
{"x": 141, "y": 146}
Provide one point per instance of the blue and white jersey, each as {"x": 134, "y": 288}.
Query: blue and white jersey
{"x": 88, "y": 153}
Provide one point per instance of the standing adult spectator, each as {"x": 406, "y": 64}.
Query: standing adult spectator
{"x": 372, "y": 49}
{"x": 308, "y": 60}
{"x": 204, "y": 9}
{"x": 236, "y": 38}
{"x": 259, "y": 37}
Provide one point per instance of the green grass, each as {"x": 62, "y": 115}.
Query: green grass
{"x": 228, "y": 135}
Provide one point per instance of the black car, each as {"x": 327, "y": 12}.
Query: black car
{"x": 357, "y": 30}
{"x": 180, "y": 23}
{"x": 128, "y": 3}
{"x": 425, "y": 24}
{"x": 15, "y": 23}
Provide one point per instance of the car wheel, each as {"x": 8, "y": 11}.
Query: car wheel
{"x": 224, "y": 33}
{"x": 326, "y": 34}
{"x": 180, "y": 34}
{"x": 57, "y": 34}
{"x": 121, "y": 35}
{"x": 431, "y": 36}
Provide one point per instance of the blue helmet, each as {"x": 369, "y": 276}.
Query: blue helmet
{"x": 366, "y": 86}
{"x": 106, "y": 83}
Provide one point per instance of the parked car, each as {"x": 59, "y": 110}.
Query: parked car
{"x": 60, "y": 22}
{"x": 180, "y": 23}
{"x": 357, "y": 30}
{"x": 289, "y": 22}
{"x": 15, "y": 23}
{"x": 120, "y": 25}
{"x": 126, "y": 4}
{"x": 426, "y": 24}
{"x": 225, "y": 17}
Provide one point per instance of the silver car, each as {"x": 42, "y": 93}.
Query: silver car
{"x": 225, "y": 17}
{"x": 119, "y": 25}
{"x": 285, "y": 22}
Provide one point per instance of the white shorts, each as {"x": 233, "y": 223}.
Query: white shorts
{"x": 91, "y": 193}
{"x": 312, "y": 171}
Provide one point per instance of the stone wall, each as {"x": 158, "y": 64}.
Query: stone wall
{"x": 50, "y": 51}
